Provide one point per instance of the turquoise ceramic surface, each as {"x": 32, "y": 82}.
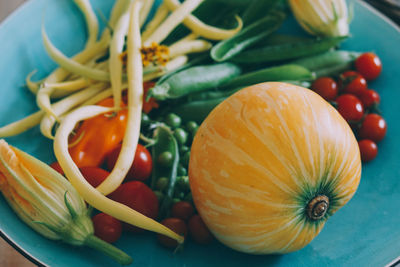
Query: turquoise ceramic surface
{"x": 366, "y": 232}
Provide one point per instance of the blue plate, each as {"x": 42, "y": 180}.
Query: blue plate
{"x": 365, "y": 232}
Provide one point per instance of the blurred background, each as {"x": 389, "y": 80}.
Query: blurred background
{"x": 9, "y": 257}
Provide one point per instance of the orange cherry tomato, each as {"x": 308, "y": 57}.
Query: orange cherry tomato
{"x": 98, "y": 136}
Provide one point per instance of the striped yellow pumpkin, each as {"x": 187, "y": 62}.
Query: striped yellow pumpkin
{"x": 269, "y": 165}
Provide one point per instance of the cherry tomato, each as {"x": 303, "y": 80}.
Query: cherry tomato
{"x": 94, "y": 175}
{"x": 98, "y": 136}
{"x": 56, "y": 166}
{"x": 139, "y": 197}
{"x": 368, "y": 149}
{"x": 352, "y": 82}
{"x": 369, "y": 98}
{"x": 106, "y": 227}
{"x": 350, "y": 107}
{"x": 141, "y": 166}
{"x": 175, "y": 224}
{"x": 369, "y": 65}
{"x": 198, "y": 230}
{"x": 182, "y": 210}
{"x": 326, "y": 87}
{"x": 373, "y": 127}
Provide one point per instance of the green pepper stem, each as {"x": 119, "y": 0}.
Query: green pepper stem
{"x": 108, "y": 249}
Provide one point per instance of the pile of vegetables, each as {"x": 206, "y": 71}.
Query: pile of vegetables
{"x": 123, "y": 112}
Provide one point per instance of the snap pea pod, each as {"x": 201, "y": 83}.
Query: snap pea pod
{"x": 250, "y": 35}
{"x": 197, "y": 110}
{"x": 327, "y": 60}
{"x": 273, "y": 53}
{"x": 290, "y": 72}
{"x": 194, "y": 79}
{"x": 165, "y": 164}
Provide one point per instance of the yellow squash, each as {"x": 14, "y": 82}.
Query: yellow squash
{"x": 269, "y": 165}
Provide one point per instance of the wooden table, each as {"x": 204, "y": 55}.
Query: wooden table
{"x": 9, "y": 257}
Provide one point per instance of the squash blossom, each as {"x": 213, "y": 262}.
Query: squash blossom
{"x": 322, "y": 17}
{"x": 47, "y": 202}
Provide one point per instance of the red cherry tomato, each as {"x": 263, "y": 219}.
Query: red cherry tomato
{"x": 326, "y": 87}
{"x": 369, "y": 65}
{"x": 368, "y": 149}
{"x": 106, "y": 227}
{"x": 369, "y": 98}
{"x": 182, "y": 210}
{"x": 175, "y": 224}
{"x": 139, "y": 197}
{"x": 56, "y": 166}
{"x": 94, "y": 175}
{"x": 198, "y": 230}
{"x": 373, "y": 127}
{"x": 352, "y": 82}
{"x": 350, "y": 107}
{"x": 141, "y": 166}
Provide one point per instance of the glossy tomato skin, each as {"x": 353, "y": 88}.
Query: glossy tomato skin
{"x": 98, "y": 136}
{"x": 350, "y": 107}
{"x": 326, "y": 87}
{"x": 369, "y": 98}
{"x": 175, "y": 224}
{"x": 352, "y": 82}
{"x": 141, "y": 167}
{"x": 183, "y": 210}
{"x": 369, "y": 65}
{"x": 198, "y": 230}
{"x": 107, "y": 227}
{"x": 94, "y": 175}
{"x": 373, "y": 127}
{"x": 368, "y": 149}
{"x": 139, "y": 197}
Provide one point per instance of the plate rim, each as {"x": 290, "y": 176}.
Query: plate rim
{"x": 15, "y": 12}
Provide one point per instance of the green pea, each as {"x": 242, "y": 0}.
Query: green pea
{"x": 145, "y": 119}
{"x": 182, "y": 170}
{"x": 183, "y": 183}
{"x": 176, "y": 200}
{"x": 186, "y": 158}
{"x": 181, "y": 136}
{"x": 192, "y": 126}
{"x": 184, "y": 149}
{"x": 166, "y": 159}
{"x": 159, "y": 195}
{"x": 162, "y": 183}
{"x": 173, "y": 120}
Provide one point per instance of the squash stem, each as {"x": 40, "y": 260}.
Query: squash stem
{"x": 108, "y": 249}
{"x": 317, "y": 207}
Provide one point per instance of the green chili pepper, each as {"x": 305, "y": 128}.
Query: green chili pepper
{"x": 250, "y": 35}
{"x": 194, "y": 79}
{"x": 279, "y": 52}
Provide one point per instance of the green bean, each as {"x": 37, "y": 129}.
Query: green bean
{"x": 250, "y": 35}
{"x": 197, "y": 110}
{"x": 279, "y": 73}
{"x": 327, "y": 59}
{"x": 165, "y": 143}
{"x": 272, "y": 53}
{"x": 194, "y": 79}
